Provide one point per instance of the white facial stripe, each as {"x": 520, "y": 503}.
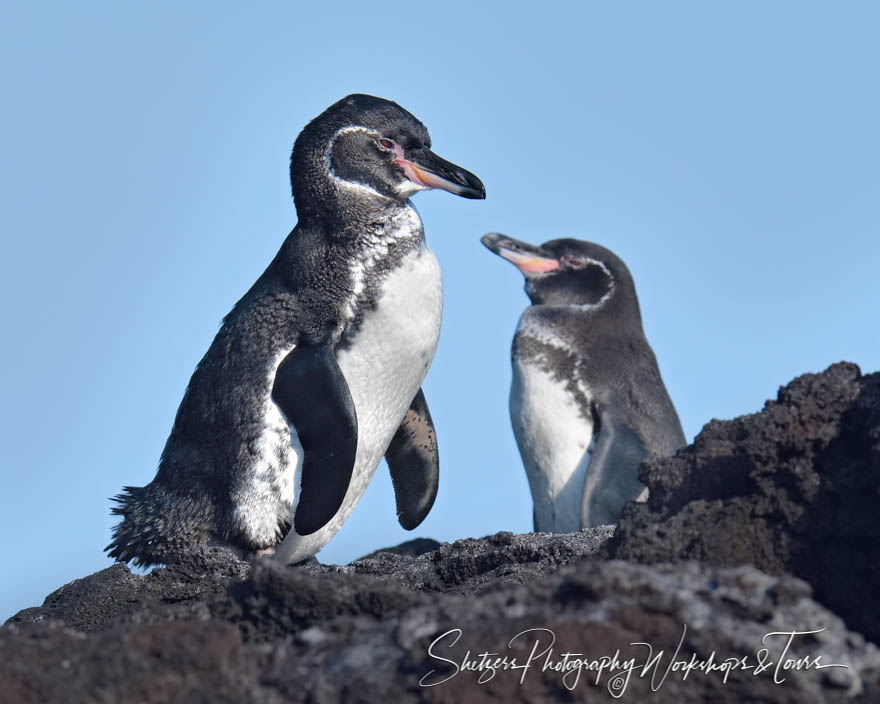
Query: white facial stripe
{"x": 328, "y": 164}
{"x": 604, "y": 298}
{"x": 584, "y": 306}
{"x": 600, "y": 265}
{"x": 601, "y": 301}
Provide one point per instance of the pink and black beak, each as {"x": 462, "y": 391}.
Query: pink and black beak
{"x": 526, "y": 257}
{"x": 425, "y": 168}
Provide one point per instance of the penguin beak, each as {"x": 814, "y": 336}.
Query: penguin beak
{"x": 425, "y": 168}
{"x": 524, "y": 256}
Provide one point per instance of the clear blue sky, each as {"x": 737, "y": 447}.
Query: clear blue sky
{"x": 730, "y": 155}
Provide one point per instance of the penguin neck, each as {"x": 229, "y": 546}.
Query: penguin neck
{"x": 351, "y": 214}
{"x": 563, "y": 317}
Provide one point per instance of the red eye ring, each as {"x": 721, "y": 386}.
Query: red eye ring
{"x": 574, "y": 262}
{"x": 385, "y": 143}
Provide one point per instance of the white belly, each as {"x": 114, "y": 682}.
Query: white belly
{"x": 384, "y": 368}
{"x": 554, "y": 441}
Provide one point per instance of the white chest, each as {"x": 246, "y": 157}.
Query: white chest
{"x": 390, "y": 354}
{"x": 554, "y": 440}
{"x": 384, "y": 366}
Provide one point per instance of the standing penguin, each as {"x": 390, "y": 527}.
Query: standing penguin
{"x": 315, "y": 374}
{"x": 587, "y": 402}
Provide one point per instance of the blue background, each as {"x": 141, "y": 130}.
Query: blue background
{"x": 730, "y": 154}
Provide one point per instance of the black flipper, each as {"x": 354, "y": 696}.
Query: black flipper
{"x": 311, "y": 391}
{"x": 414, "y": 464}
{"x": 613, "y": 473}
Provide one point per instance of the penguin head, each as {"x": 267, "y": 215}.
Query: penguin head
{"x": 370, "y": 150}
{"x": 566, "y": 271}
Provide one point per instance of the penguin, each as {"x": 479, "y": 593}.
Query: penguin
{"x": 587, "y": 402}
{"x": 316, "y": 372}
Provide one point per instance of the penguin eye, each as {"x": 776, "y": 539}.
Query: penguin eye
{"x": 385, "y": 144}
{"x": 574, "y": 262}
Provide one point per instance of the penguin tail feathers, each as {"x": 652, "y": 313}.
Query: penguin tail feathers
{"x": 156, "y": 525}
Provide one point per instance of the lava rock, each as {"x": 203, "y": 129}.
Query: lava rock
{"x": 194, "y": 588}
{"x": 794, "y": 488}
{"x": 471, "y": 565}
{"x": 687, "y": 613}
{"x": 790, "y": 489}
{"x": 268, "y": 600}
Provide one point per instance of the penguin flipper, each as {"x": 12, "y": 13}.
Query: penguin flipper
{"x": 312, "y": 393}
{"x": 414, "y": 464}
{"x": 613, "y": 473}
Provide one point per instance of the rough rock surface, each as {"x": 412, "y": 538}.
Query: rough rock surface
{"x": 273, "y": 599}
{"x": 791, "y": 489}
{"x": 369, "y": 639}
{"x": 794, "y": 488}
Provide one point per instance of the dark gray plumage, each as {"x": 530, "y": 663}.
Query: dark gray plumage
{"x": 587, "y": 402}
{"x": 313, "y": 371}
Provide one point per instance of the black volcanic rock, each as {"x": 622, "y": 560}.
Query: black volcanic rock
{"x": 790, "y": 489}
{"x": 470, "y": 566}
{"x": 193, "y": 589}
{"x": 593, "y": 608}
{"x": 269, "y": 600}
{"x": 794, "y": 488}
